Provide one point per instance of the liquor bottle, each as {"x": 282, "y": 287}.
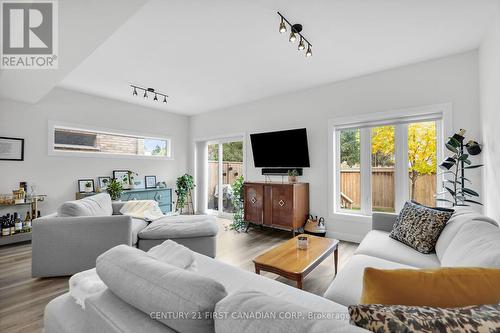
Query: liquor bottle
{"x": 12, "y": 225}
{"x": 27, "y": 223}
{"x": 5, "y": 226}
{"x": 18, "y": 224}
{"x": 38, "y": 215}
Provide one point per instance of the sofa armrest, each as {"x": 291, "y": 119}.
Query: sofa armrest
{"x": 67, "y": 245}
{"x": 383, "y": 221}
{"x": 117, "y": 205}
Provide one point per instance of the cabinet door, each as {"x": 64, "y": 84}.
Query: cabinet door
{"x": 254, "y": 203}
{"x": 282, "y": 202}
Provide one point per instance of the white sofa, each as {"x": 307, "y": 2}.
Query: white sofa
{"x": 468, "y": 240}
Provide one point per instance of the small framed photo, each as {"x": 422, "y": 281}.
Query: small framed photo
{"x": 11, "y": 149}
{"x": 121, "y": 176}
{"x": 86, "y": 185}
{"x": 103, "y": 182}
{"x": 150, "y": 182}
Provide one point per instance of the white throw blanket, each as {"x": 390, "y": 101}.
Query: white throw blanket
{"x": 147, "y": 210}
{"x": 88, "y": 283}
{"x": 85, "y": 284}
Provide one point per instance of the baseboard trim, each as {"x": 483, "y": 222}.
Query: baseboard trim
{"x": 355, "y": 238}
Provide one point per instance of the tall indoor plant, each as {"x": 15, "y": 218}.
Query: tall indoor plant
{"x": 455, "y": 166}
{"x": 114, "y": 188}
{"x": 185, "y": 184}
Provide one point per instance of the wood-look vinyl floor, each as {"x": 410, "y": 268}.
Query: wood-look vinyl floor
{"x": 23, "y": 299}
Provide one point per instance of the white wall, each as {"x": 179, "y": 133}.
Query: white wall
{"x": 489, "y": 82}
{"x": 453, "y": 79}
{"x": 57, "y": 176}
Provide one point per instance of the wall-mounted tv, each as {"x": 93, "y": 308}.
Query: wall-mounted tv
{"x": 283, "y": 149}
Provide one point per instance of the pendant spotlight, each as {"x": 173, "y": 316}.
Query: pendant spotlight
{"x": 295, "y": 29}
{"x": 149, "y": 91}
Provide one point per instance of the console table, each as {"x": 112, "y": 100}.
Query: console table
{"x": 277, "y": 205}
{"x": 161, "y": 195}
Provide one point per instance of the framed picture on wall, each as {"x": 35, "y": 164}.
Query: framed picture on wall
{"x": 121, "y": 176}
{"x": 103, "y": 182}
{"x": 150, "y": 181}
{"x": 11, "y": 149}
{"x": 86, "y": 185}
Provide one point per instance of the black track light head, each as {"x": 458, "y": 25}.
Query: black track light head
{"x": 301, "y": 44}
{"x": 135, "y": 91}
{"x": 156, "y": 98}
{"x": 145, "y": 94}
{"x": 165, "y": 99}
{"x": 292, "y": 37}
{"x": 309, "y": 51}
{"x": 282, "y": 26}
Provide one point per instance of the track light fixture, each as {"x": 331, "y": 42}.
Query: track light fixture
{"x": 149, "y": 91}
{"x": 295, "y": 29}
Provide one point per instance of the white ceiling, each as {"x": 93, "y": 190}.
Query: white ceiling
{"x": 213, "y": 54}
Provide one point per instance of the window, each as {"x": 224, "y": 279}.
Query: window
{"x": 76, "y": 139}
{"x": 381, "y": 164}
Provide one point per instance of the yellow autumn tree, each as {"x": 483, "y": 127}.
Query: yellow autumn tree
{"x": 421, "y": 150}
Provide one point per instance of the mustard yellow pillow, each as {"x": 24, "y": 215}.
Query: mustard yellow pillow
{"x": 440, "y": 287}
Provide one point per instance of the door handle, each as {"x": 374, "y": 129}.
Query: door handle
{"x": 253, "y": 200}
{"x": 281, "y": 203}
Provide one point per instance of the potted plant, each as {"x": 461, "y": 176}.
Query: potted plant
{"x": 292, "y": 176}
{"x": 88, "y": 187}
{"x": 185, "y": 184}
{"x": 115, "y": 189}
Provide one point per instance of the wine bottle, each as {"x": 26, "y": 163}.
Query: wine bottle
{"x": 12, "y": 225}
{"x": 5, "y": 226}
{"x": 27, "y": 223}
{"x": 18, "y": 224}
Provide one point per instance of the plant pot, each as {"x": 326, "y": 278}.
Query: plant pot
{"x": 88, "y": 189}
{"x": 292, "y": 179}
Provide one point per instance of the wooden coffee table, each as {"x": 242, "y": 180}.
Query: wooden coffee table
{"x": 288, "y": 261}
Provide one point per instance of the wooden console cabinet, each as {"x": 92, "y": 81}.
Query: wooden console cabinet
{"x": 276, "y": 205}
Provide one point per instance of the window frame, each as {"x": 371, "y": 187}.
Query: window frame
{"x": 440, "y": 113}
{"x": 53, "y": 125}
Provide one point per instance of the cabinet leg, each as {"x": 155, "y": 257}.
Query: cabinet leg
{"x": 299, "y": 282}
{"x": 293, "y": 232}
{"x": 336, "y": 259}
{"x": 248, "y": 227}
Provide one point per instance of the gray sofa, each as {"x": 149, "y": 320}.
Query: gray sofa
{"x": 469, "y": 239}
{"x": 70, "y": 240}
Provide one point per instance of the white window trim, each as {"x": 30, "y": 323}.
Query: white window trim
{"x": 52, "y": 125}
{"x": 364, "y": 121}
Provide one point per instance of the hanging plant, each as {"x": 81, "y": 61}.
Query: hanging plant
{"x": 185, "y": 184}
{"x": 238, "y": 223}
{"x": 455, "y": 167}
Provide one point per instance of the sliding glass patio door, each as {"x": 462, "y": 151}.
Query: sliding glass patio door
{"x": 225, "y": 165}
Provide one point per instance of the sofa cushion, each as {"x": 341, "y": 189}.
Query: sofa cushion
{"x": 156, "y": 287}
{"x": 347, "y": 286}
{"x": 461, "y": 216}
{"x": 278, "y": 315}
{"x": 108, "y": 313}
{"x": 137, "y": 226}
{"x": 399, "y": 318}
{"x": 439, "y": 287}
{"x": 96, "y": 205}
{"x": 181, "y": 226}
{"x": 419, "y": 226}
{"x": 378, "y": 244}
{"x": 476, "y": 244}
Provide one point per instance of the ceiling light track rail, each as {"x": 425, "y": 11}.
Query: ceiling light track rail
{"x": 148, "y": 91}
{"x": 295, "y": 29}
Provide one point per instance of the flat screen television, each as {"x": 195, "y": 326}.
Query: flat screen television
{"x": 283, "y": 149}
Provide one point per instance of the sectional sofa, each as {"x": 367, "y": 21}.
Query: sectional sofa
{"x": 469, "y": 239}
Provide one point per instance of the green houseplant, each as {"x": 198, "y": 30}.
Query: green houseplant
{"x": 115, "y": 189}
{"x": 455, "y": 166}
{"x": 238, "y": 223}
{"x": 185, "y": 184}
{"x": 292, "y": 176}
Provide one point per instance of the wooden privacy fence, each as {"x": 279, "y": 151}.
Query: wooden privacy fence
{"x": 230, "y": 171}
{"x": 383, "y": 188}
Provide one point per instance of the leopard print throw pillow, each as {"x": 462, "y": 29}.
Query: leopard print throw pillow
{"x": 411, "y": 319}
{"x": 419, "y": 226}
